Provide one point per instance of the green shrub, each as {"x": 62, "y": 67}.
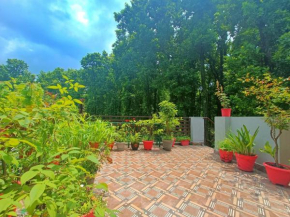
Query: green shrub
{"x": 225, "y": 145}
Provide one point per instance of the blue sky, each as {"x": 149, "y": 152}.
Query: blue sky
{"x": 56, "y": 33}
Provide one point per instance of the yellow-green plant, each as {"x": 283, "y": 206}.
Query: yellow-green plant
{"x": 273, "y": 94}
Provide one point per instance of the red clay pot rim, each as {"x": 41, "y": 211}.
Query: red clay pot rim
{"x": 268, "y": 164}
{"x": 246, "y": 155}
{"x": 225, "y": 150}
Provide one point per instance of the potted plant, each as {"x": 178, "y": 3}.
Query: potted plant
{"x": 148, "y": 131}
{"x": 184, "y": 140}
{"x": 224, "y": 100}
{"x": 243, "y": 146}
{"x": 96, "y": 133}
{"x": 135, "y": 139}
{"x": 226, "y": 150}
{"x": 120, "y": 138}
{"x": 169, "y": 122}
{"x": 109, "y": 136}
{"x": 274, "y": 98}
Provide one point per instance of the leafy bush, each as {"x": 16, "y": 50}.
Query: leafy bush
{"x": 167, "y": 117}
{"x": 180, "y": 138}
{"x": 45, "y": 157}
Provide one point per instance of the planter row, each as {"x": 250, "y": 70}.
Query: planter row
{"x": 167, "y": 144}
{"x": 277, "y": 175}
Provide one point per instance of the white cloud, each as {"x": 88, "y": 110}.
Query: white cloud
{"x": 79, "y": 14}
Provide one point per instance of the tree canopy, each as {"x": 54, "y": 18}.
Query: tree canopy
{"x": 176, "y": 50}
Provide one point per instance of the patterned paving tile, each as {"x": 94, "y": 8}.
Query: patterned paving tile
{"x": 188, "y": 181}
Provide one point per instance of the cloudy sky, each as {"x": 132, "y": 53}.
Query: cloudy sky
{"x": 56, "y": 33}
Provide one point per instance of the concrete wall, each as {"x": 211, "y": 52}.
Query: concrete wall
{"x": 224, "y": 125}
{"x": 285, "y": 147}
{"x": 197, "y": 129}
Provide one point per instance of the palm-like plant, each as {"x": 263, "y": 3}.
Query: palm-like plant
{"x": 243, "y": 142}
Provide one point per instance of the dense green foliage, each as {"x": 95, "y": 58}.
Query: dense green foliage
{"x": 46, "y": 162}
{"x": 176, "y": 50}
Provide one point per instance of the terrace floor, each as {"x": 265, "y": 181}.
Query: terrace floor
{"x": 188, "y": 181}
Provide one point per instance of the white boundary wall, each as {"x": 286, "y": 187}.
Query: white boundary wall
{"x": 197, "y": 129}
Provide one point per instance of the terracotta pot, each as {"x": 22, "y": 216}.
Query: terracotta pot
{"x": 135, "y": 146}
{"x": 167, "y": 145}
{"x": 246, "y": 162}
{"x": 278, "y": 176}
{"x": 184, "y": 142}
{"x": 226, "y": 156}
{"x": 94, "y": 144}
{"x": 226, "y": 112}
{"x": 148, "y": 145}
{"x": 173, "y": 143}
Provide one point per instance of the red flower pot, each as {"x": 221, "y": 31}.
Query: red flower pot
{"x": 111, "y": 145}
{"x": 278, "y": 176}
{"x": 184, "y": 142}
{"x": 246, "y": 162}
{"x": 226, "y": 156}
{"x": 94, "y": 144}
{"x": 90, "y": 214}
{"x": 226, "y": 112}
{"x": 148, "y": 145}
{"x": 173, "y": 143}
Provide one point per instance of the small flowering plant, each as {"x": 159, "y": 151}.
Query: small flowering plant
{"x": 222, "y": 96}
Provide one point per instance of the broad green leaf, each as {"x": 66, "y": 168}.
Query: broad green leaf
{"x": 102, "y": 186}
{"x": 53, "y": 87}
{"x": 65, "y": 77}
{"x": 5, "y": 203}
{"x": 99, "y": 211}
{"x": 19, "y": 116}
{"x": 64, "y": 156}
{"x": 12, "y": 213}
{"x": 37, "y": 167}
{"x": 28, "y": 176}
{"x": 48, "y": 173}
{"x": 74, "y": 152}
{"x": 92, "y": 158}
{"x": 50, "y": 184}
{"x": 13, "y": 142}
{"x": 36, "y": 192}
{"x": 51, "y": 208}
{"x": 24, "y": 123}
{"x": 78, "y": 101}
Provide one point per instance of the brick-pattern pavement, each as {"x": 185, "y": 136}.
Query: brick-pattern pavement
{"x": 188, "y": 181}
